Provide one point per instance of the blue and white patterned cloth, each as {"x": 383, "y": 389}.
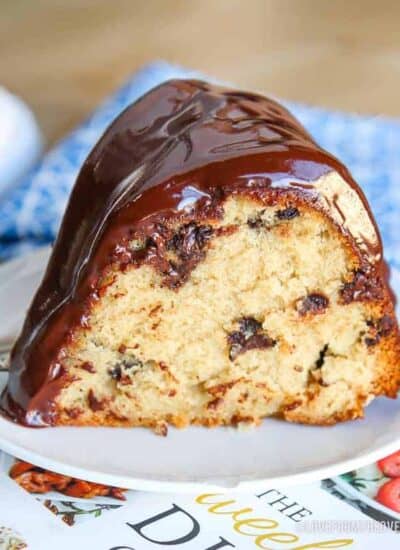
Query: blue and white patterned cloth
{"x": 370, "y": 146}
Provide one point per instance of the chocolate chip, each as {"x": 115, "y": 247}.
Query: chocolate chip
{"x": 365, "y": 286}
{"x": 379, "y": 329}
{"x": 314, "y": 303}
{"x": 321, "y": 359}
{"x": 131, "y": 361}
{"x": 118, "y": 371}
{"x": 249, "y": 326}
{"x": 190, "y": 240}
{"x": 150, "y": 243}
{"x": 173, "y": 272}
{"x": 371, "y": 341}
{"x": 256, "y": 222}
{"x": 115, "y": 372}
{"x": 249, "y": 336}
{"x": 288, "y": 213}
{"x": 385, "y": 326}
{"x": 186, "y": 246}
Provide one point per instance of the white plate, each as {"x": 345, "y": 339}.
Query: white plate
{"x": 275, "y": 454}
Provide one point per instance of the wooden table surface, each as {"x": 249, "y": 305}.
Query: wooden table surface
{"x": 63, "y": 56}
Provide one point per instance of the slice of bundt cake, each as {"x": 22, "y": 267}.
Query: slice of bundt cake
{"x": 214, "y": 266}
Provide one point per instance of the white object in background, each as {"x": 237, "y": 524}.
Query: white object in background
{"x": 21, "y": 142}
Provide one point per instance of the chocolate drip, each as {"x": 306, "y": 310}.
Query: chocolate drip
{"x": 180, "y": 147}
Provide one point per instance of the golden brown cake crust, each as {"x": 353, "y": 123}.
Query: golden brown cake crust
{"x": 172, "y": 158}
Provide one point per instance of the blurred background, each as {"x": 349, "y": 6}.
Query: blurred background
{"x": 63, "y": 57}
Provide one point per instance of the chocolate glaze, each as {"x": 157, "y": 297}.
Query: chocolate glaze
{"x": 183, "y": 145}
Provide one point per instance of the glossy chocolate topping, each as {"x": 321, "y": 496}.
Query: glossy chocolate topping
{"x": 178, "y": 148}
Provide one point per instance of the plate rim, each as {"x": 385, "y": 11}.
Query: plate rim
{"x": 144, "y": 483}
{"x": 169, "y": 486}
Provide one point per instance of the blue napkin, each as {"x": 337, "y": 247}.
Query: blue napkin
{"x": 369, "y": 146}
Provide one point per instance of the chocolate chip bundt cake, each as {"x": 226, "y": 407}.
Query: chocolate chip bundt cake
{"x": 214, "y": 266}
